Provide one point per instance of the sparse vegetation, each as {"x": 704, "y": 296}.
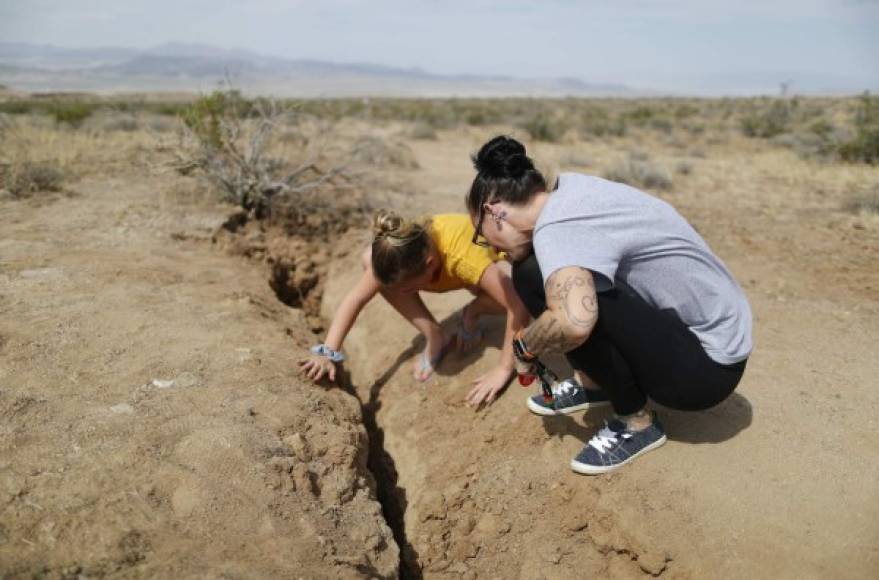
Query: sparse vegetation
{"x": 638, "y": 171}
{"x": 27, "y": 178}
{"x": 544, "y": 127}
{"x": 73, "y": 113}
{"x": 769, "y": 122}
{"x": 423, "y": 131}
{"x": 864, "y": 201}
{"x": 228, "y": 141}
{"x": 864, "y": 146}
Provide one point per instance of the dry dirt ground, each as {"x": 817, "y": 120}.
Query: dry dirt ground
{"x": 153, "y": 424}
{"x": 779, "y": 481}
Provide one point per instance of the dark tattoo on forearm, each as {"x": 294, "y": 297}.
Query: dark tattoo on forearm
{"x": 547, "y": 335}
{"x": 571, "y": 302}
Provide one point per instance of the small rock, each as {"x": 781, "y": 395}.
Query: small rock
{"x": 653, "y": 563}
{"x": 163, "y": 384}
{"x": 122, "y": 409}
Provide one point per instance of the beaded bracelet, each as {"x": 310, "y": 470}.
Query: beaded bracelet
{"x": 325, "y": 351}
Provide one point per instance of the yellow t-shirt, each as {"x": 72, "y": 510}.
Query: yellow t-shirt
{"x": 463, "y": 261}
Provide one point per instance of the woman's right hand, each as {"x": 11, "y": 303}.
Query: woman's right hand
{"x": 316, "y": 366}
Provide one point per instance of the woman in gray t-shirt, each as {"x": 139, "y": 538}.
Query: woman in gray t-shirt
{"x": 622, "y": 284}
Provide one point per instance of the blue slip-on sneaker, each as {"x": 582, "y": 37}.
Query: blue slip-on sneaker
{"x": 568, "y": 397}
{"x": 614, "y": 445}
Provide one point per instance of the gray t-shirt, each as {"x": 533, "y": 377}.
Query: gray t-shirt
{"x": 622, "y": 234}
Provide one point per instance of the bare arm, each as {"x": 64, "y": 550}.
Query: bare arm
{"x": 497, "y": 283}
{"x": 316, "y": 366}
{"x": 571, "y": 312}
{"x": 365, "y": 290}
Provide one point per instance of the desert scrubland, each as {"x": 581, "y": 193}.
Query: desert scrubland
{"x": 166, "y": 260}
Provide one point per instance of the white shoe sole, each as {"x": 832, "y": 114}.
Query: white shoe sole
{"x": 599, "y": 469}
{"x": 540, "y": 410}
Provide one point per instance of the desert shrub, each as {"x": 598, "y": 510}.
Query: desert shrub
{"x": 685, "y": 111}
{"x": 207, "y": 115}
{"x": 684, "y": 167}
{"x": 661, "y": 124}
{"x": 168, "y": 109}
{"x": 543, "y": 127}
{"x": 113, "y": 121}
{"x": 71, "y": 113}
{"x": 377, "y": 152}
{"x": 423, "y": 131}
{"x": 17, "y": 107}
{"x": 226, "y": 140}
{"x": 596, "y": 122}
{"x": 771, "y": 122}
{"x": 575, "y": 159}
{"x": 864, "y": 146}
{"x": 640, "y": 116}
{"x": 818, "y": 140}
{"x": 160, "y": 124}
{"x": 694, "y": 128}
{"x": 26, "y": 178}
{"x": 639, "y": 172}
{"x": 863, "y": 202}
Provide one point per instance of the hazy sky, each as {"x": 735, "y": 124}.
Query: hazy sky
{"x": 652, "y": 43}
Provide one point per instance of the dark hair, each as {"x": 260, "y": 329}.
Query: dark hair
{"x": 399, "y": 247}
{"x": 504, "y": 172}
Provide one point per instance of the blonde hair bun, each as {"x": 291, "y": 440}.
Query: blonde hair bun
{"x": 400, "y": 247}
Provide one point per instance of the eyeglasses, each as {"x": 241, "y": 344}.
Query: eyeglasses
{"x": 478, "y": 238}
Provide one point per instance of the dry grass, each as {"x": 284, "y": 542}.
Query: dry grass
{"x": 668, "y": 146}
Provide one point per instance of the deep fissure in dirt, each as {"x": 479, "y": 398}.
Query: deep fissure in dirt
{"x": 391, "y": 497}
{"x": 297, "y": 258}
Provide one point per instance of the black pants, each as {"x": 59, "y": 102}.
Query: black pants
{"x": 637, "y": 351}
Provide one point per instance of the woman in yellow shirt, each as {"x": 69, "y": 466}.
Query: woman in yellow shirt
{"x": 438, "y": 256}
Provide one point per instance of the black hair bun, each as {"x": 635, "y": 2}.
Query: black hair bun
{"x": 503, "y": 157}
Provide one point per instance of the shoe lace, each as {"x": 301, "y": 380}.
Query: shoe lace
{"x": 606, "y": 438}
{"x": 564, "y": 388}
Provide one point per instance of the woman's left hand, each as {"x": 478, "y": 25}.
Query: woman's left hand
{"x": 486, "y": 388}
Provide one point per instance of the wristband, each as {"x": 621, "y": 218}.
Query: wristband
{"x": 520, "y": 349}
{"x": 325, "y": 351}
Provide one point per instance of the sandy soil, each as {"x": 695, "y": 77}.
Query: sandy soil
{"x": 152, "y": 423}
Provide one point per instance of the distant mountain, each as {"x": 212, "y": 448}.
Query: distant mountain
{"x": 195, "y": 67}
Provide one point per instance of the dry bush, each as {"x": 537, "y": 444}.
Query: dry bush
{"x": 638, "y": 171}
{"x": 111, "y": 121}
{"x": 684, "y": 167}
{"x": 576, "y": 159}
{"x": 863, "y": 202}
{"x": 545, "y": 127}
{"x": 72, "y": 113}
{"x": 864, "y": 146}
{"x": 423, "y": 131}
{"x": 228, "y": 141}
{"x": 20, "y": 175}
{"x": 27, "y": 178}
{"x": 769, "y": 122}
{"x": 378, "y": 152}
